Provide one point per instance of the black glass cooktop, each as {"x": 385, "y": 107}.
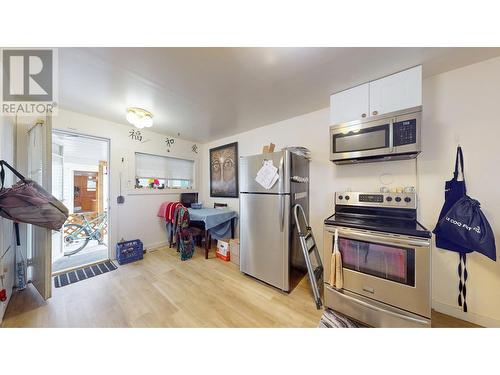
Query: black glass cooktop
{"x": 404, "y": 226}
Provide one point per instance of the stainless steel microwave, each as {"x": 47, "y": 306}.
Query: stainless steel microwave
{"x": 392, "y": 136}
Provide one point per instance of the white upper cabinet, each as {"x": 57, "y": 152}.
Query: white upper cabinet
{"x": 392, "y": 93}
{"x": 395, "y": 92}
{"x": 350, "y": 104}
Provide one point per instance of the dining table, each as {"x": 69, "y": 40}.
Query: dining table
{"x": 217, "y": 223}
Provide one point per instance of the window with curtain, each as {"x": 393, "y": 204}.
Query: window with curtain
{"x": 163, "y": 172}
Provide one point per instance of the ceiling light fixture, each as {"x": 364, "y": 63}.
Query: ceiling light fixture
{"x": 139, "y": 117}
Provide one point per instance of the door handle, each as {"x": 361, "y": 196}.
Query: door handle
{"x": 282, "y": 212}
{"x": 380, "y": 309}
{"x": 280, "y": 174}
{"x": 380, "y": 239}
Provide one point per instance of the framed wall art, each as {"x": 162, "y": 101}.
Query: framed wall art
{"x": 224, "y": 171}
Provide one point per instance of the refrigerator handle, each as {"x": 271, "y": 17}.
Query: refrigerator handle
{"x": 282, "y": 212}
{"x": 280, "y": 174}
{"x": 282, "y": 198}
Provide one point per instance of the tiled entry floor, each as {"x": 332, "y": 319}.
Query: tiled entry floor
{"x": 92, "y": 253}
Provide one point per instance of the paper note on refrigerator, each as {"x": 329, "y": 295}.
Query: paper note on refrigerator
{"x": 267, "y": 175}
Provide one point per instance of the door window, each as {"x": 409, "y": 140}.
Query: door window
{"x": 362, "y": 140}
{"x": 387, "y": 262}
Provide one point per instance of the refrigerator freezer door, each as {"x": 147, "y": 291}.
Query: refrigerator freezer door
{"x": 264, "y": 236}
{"x": 250, "y": 165}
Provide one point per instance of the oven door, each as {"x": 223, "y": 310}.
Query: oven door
{"x": 389, "y": 268}
{"x": 361, "y": 139}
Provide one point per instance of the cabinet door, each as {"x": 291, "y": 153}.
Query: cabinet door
{"x": 395, "y": 92}
{"x": 348, "y": 105}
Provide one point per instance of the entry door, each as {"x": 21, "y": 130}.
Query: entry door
{"x": 40, "y": 239}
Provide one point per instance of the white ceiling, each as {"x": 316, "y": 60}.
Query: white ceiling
{"x": 209, "y": 93}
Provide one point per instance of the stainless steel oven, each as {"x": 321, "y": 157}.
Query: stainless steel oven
{"x": 386, "y": 257}
{"x": 392, "y": 136}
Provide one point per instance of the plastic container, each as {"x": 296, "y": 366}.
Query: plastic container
{"x": 222, "y": 251}
{"x": 129, "y": 251}
{"x": 197, "y": 205}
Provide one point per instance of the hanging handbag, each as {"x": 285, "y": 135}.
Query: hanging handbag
{"x": 28, "y": 202}
{"x": 462, "y": 227}
{"x": 466, "y": 225}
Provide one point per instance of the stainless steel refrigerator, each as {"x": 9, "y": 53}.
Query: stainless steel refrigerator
{"x": 269, "y": 245}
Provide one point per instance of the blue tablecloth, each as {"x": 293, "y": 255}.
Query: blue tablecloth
{"x": 217, "y": 221}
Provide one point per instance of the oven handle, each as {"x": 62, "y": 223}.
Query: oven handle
{"x": 385, "y": 311}
{"x": 380, "y": 239}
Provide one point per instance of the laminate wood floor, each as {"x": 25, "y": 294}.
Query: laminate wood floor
{"x": 163, "y": 291}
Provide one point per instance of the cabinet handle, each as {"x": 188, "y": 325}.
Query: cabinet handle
{"x": 375, "y": 113}
{"x": 363, "y": 115}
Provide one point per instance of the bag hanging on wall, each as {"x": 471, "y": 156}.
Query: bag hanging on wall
{"x": 462, "y": 226}
{"x": 28, "y": 202}
{"x": 453, "y": 191}
{"x": 466, "y": 225}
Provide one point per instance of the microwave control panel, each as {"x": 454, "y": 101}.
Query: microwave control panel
{"x": 405, "y": 132}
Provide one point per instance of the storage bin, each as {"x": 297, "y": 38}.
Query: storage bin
{"x": 222, "y": 251}
{"x": 129, "y": 251}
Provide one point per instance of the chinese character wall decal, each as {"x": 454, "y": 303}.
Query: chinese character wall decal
{"x": 170, "y": 143}
{"x": 195, "y": 149}
{"x": 135, "y": 135}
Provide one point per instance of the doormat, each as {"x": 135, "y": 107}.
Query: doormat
{"x": 333, "y": 319}
{"x": 83, "y": 273}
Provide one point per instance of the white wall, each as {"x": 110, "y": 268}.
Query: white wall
{"x": 458, "y": 105}
{"x": 6, "y": 227}
{"x": 136, "y": 218}
{"x": 311, "y": 131}
{"x": 461, "y": 107}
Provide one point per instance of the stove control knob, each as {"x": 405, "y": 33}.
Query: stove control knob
{"x": 346, "y": 197}
{"x": 398, "y": 199}
{"x": 388, "y": 199}
{"x": 341, "y": 197}
{"x": 407, "y": 199}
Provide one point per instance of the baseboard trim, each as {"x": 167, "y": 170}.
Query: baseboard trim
{"x": 155, "y": 246}
{"x": 456, "y": 312}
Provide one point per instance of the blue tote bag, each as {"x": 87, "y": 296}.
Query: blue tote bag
{"x": 462, "y": 226}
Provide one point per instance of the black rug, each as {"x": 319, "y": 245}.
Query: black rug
{"x": 83, "y": 273}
